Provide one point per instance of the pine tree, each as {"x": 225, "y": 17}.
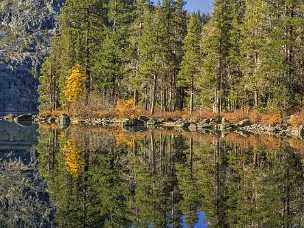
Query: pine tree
{"x": 49, "y": 83}
{"x": 190, "y": 66}
{"x": 148, "y": 59}
{"x": 254, "y": 32}
{"x": 234, "y": 73}
{"x": 179, "y": 28}
{"x": 134, "y": 80}
{"x": 216, "y": 46}
{"x": 269, "y": 63}
{"x": 111, "y": 60}
{"x": 79, "y": 30}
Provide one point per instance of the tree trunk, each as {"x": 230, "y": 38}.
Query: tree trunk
{"x": 256, "y": 98}
{"x": 146, "y": 98}
{"x": 135, "y": 97}
{"x": 87, "y": 64}
{"x": 191, "y": 96}
{"x": 153, "y": 98}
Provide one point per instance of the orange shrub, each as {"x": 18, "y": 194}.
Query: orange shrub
{"x": 202, "y": 114}
{"x": 170, "y": 115}
{"x": 56, "y": 113}
{"x": 235, "y": 116}
{"x": 126, "y": 108}
{"x": 271, "y": 119}
{"x": 196, "y": 115}
{"x": 297, "y": 119}
{"x": 254, "y": 117}
{"x": 297, "y": 145}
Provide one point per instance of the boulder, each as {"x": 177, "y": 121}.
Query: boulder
{"x": 244, "y": 123}
{"x": 204, "y": 125}
{"x": 182, "y": 123}
{"x": 50, "y": 119}
{"x": 193, "y": 127}
{"x": 133, "y": 123}
{"x": 64, "y": 121}
{"x": 206, "y": 121}
{"x": 152, "y": 123}
{"x": 9, "y": 117}
{"x": 301, "y": 132}
{"x": 179, "y": 123}
{"x": 143, "y": 118}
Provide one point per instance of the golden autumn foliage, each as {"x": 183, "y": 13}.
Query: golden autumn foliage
{"x": 297, "y": 119}
{"x": 72, "y": 158}
{"x": 126, "y": 108}
{"x": 271, "y": 119}
{"x": 75, "y": 84}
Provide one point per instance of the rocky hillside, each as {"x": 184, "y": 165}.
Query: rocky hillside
{"x": 25, "y": 29}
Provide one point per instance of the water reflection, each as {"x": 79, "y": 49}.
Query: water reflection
{"x": 110, "y": 178}
{"x": 23, "y": 195}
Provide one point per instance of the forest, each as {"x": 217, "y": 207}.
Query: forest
{"x": 247, "y": 54}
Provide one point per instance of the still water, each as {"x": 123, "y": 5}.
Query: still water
{"x": 95, "y": 177}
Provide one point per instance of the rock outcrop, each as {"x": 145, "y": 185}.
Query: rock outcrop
{"x": 25, "y": 30}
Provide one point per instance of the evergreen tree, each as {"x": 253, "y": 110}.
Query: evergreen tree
{"x": 216, "y": 46}
{"x": 179, "y": 28}
{"x": 134, "y": 80}
{"x": 75, "y": 42}
{"x": 111, "y": 60}
{"x": 149, "y": 55}
{"x": 254, "y": 30}
{"x": 190, "y": 66}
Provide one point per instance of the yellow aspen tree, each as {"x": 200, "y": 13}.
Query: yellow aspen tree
{"x": 75, "y": 84}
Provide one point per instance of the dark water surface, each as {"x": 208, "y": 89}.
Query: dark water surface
{"x": 94, "y": 177}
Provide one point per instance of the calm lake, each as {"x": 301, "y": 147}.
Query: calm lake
{"x": 97, "y": 177}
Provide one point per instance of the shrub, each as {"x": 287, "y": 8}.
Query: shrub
{"x": 297, "y": 119}
{"x": 271, "y": 119}
{"x": 126, "y": 108}
{"x": 235, "y": 116}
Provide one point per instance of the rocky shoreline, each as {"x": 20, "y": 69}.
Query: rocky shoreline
{"x": 244, "y": 127}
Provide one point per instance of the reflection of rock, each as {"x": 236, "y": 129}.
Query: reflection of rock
{"x": 134, "y": 122}
{"x": 24, "y": 200}
{"x": 13, "y": 134}
{"x": 23, "y": 196}
{"x": 24, "y": 118}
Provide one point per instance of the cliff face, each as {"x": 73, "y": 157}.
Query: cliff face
{"x": 25, "y": 30}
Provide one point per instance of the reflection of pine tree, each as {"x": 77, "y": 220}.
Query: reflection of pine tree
{"x": 165, "y": 176}
{"x": 246, "y": 187}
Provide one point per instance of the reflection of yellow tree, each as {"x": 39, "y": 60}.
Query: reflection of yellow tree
{"x": 72, "y": 158}
{"x": 127, "y": 138}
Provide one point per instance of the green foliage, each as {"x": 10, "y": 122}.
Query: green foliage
{"x": 249, "y": 54}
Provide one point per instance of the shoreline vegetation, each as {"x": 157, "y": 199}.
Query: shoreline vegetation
{"x": 138, "y": 64}
{"x": 127, "y": 116}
